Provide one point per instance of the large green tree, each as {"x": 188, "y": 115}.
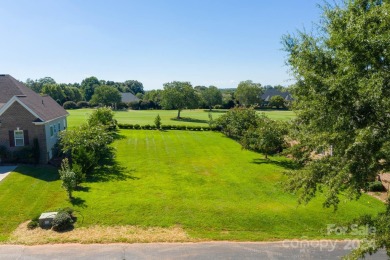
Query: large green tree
{"x": 54, "y": 91}
{"x": 105, "y": 95}
{"x": 342, "y": 99}
{"x": 249, "y": 93}
{"x": 179, "y": 95}
{"x": 134, "y": 86}
{"x": 88, "y": 86}
{"x": 211, "y": 96}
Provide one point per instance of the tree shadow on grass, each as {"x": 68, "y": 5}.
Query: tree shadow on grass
{"x": 111, "y": 172}
{"x": 287, "y": 164}
{"x": 215, "y": 111}
{"x": 79, "y": 202}
{"x": 46, "y": 173}
{"x": 118, "y": 136}
{"x": 82, "y": 188}
{"x": 190, "y": 120}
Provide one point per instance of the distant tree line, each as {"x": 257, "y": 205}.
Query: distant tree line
{"x": 174, "y": 95}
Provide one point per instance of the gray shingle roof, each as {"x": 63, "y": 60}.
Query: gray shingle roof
{"x": 274, "y": 92}
{"x": 128, "y": 97}
{"x": 44, "y": 106}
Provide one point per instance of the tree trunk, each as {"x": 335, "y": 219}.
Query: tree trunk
{"x": 178, "y": 114}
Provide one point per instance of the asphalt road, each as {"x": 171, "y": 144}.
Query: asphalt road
{"x": 324, "y": 249}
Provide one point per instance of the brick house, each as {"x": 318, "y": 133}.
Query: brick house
{"x": 26, "y": 115}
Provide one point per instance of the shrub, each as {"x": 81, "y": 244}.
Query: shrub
{"x": 69, "y": 105}
{"x": 82, "y": 104}
{"x": 79, "y": 174}
{"x": 181, "y": 127}
{"x": 67, "y": 210}
{"x": 68, "y": 177}
{"x": 36, "y": 151}
{"x": 32, "y": 224}
{"x": 376, "y": 186}
{"x": 237, "y": 121}
{"x": 135, "y": 105}
{"x": 147, "y": 127}
{"x": 206, "y": 128}
{"x": 121, "y": 106}
{"x": 218, "y": 107}
{"x": 62, "y": 221}
{"x": 103, "y": 116}
{"x": 157, "y": 121}
{"x": 137, "y": 126}
{"x": 153, "y": 127}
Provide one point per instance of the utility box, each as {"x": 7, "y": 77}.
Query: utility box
{"x": 46, "y": 219}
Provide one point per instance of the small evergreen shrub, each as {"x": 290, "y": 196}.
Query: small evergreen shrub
{"x": 137, "y": 126}
{"x": 62, "y": 221}
{"x": 157, "y": 121}
{"x": 147, "y": 127}
{"x": 181, "y": 127}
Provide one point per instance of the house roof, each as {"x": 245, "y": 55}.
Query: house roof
{"x": 127, "y": 97}
{"x": 274, "y": 92}
{"x": 44, "y": 107}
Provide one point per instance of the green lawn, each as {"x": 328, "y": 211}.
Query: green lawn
{"x": 27, "y": 192}
{"x": 201, "y": 181}
{"x": 168, "y": 117}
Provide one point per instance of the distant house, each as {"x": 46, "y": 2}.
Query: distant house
{"x": 269, "y": 93}
{"x": 128, "y": 97}
{"x": 26, "y": 115}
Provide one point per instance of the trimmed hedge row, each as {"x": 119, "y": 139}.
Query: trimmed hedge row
{"x": 168, "y": 127}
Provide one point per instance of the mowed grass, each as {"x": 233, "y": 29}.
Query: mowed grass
{"x": 196, "y": 117}
{"x": 27, "y": 192}
{"x": 204, "y": 183}
{"x": 201, "y": 182}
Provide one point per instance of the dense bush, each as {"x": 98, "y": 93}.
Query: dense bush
{"x": 87, "y": 146}
{"x": 376, "y": 186}
{"x": 67, "y": 210}
{"x": 82, "y": 104}
{"x": 62, "y": 221}
{"x": 147, "y": 127}
{"x": 137, "y": 126}
{"x": 121, "y": 106}
{"x": 135, "y": 105}
{"x": 69, "y": 105}
{"x": 103, "y": 116}
{"x": 237, "y": 121}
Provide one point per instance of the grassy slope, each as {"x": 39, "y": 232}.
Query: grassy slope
{"x": 143, "y": 117}
{"x": 208, "y": 185}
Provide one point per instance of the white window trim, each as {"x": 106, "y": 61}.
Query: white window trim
{"x": 22, "y": 138}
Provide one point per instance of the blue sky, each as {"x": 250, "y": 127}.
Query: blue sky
{"x": 206, "y": 42}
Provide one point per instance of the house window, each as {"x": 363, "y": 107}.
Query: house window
{"x": 55, "y": 129}
{"x": 51, "y": 131}
{"x": 19, "y": 137}
{"x": 59, "y": 127}
{"x": 64, "y": 124}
